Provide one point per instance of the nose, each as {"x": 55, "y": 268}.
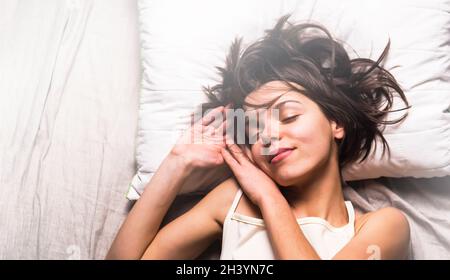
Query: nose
{"x": 270, "y": 133}
{"x": 267, "y": 141}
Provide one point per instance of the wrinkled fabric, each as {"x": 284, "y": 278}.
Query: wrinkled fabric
{"x": 69, "y": 84}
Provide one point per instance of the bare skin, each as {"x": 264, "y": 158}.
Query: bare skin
{"x": 304, "y": 184}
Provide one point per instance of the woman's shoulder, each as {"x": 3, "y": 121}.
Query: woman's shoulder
{"x": 388, "y": 229}
{"x": 221, "y": 199}
{"x": 383, "y": 217}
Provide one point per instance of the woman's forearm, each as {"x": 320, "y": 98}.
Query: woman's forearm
{"x": 144, "y": 220}
{"x": 287, "y": 238}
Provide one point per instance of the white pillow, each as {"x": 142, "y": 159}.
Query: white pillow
{"x": 183, "y": 41}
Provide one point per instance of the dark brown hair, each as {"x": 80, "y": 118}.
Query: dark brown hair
{"x": 355, "y": 93}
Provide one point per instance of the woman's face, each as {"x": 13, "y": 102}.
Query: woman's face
{"x": 297, "y": 144}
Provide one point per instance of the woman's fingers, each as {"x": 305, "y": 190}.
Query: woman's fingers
{"x": 234, "y": 149}
{"x": 221, "y": 130}
{"x": 213, "y": 117}
{"x": 214, "y": 135}
{"x": 248, "y": 154}
{"x": 229, "y": 159}
{"x": 237, "y": 153}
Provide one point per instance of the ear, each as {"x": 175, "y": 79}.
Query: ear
{"x": 337, "y": 130}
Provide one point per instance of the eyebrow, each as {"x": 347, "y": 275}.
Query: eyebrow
{"x": 263, "y": 105}
{"x": 278, "y": 105}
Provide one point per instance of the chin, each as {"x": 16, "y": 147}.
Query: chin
{"x": 290, "y": 176}
{"x": 286, "y": 181}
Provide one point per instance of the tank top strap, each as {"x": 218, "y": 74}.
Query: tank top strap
{"x": 351, "y": 214}
{"x": 235, "y": 203}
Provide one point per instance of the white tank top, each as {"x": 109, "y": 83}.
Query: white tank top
{"x": 246, "y": 238}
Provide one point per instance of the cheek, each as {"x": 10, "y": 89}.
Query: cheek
{"x": 311, "y": 136}
{"x": 304, "y": 132}
{"x": 259, "y": 159}
{"x": 256, "y": 154}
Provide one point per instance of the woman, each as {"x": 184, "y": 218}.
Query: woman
{"x": 317, "y": 112}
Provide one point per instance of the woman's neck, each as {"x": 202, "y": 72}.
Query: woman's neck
{"x": 321, "y": 197}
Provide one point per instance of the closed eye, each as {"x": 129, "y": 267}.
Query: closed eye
{"x": 290, "y": 119}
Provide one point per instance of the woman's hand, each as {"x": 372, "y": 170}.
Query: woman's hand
{"x": 200, "y": 145}
{"x": 256, "y": 184}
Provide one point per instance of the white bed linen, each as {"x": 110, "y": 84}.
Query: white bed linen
{"x": 425, "y": 202}
{"x": 183, "y": 41}
{"x": 69, "y": 82}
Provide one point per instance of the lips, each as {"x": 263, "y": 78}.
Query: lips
{"x": 279, "y": 154}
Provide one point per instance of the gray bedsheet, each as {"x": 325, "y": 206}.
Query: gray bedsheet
{"x": 426, "y": 203}
{"x": 69, "y": 84}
